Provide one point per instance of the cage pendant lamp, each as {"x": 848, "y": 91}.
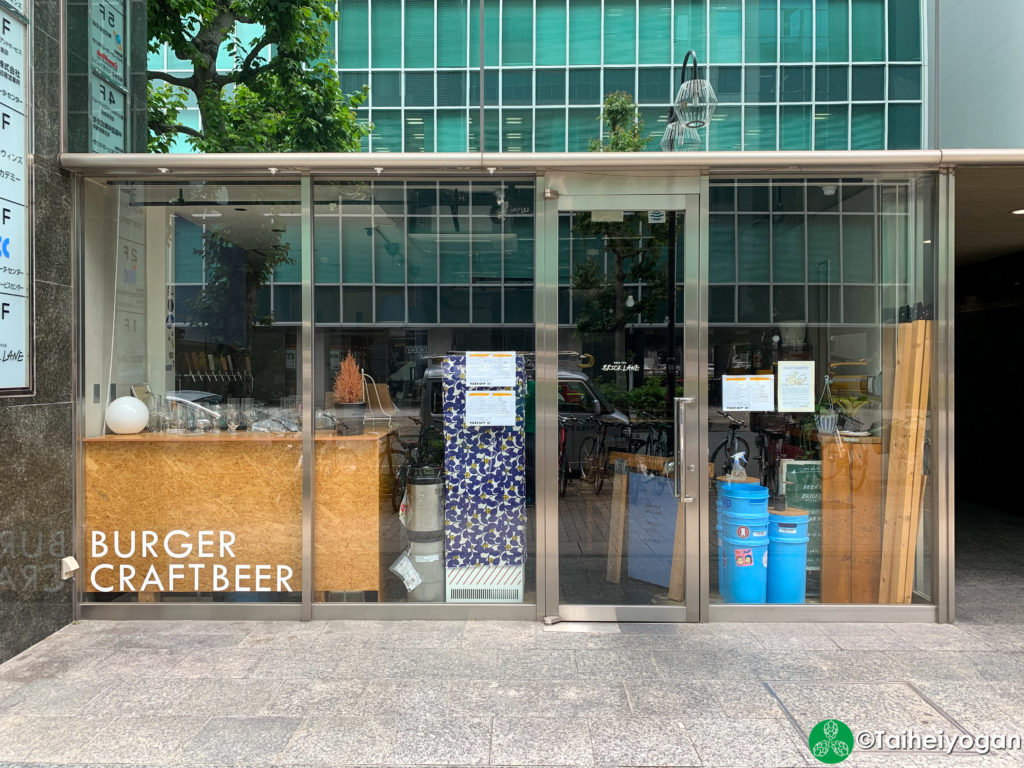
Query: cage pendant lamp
{"x": 696, "y": 100}
{"x": 679, "y": 137}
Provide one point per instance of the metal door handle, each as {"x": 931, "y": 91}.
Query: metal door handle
{"x": 680, "y": 446}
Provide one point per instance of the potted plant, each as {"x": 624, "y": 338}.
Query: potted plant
{"x": 349, "y": 398}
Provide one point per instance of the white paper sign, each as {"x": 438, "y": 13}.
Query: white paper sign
{"x": 796, "y": 386}
{"x": 106, "y": 116}
{"x": 748, "y": 393}
{"x": 490, "y": 369}
{"x": 491, "y": 409}
{"x": 106, "y": 38}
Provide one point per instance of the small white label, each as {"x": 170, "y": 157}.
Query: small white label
{"x": 655, "y": 217}
{"x": 426, "y": 558}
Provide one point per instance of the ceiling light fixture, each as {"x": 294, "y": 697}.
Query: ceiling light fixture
{"x": 1018, "y": 212}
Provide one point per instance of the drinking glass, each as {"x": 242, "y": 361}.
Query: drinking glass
{"x": 233, "y": 417}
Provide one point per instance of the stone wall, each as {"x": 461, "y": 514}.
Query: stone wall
{"x": 36, "y": 433}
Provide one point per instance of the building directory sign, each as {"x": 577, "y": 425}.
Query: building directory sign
{"x": 107, "y": 76}
{"x": 15, "y": 299}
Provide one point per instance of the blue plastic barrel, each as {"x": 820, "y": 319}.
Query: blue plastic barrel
{"x": 743, "y": 533}
{"x": 724, "y": 481}
{"x": 787, "y": 554}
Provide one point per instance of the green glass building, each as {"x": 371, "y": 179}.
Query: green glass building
{"x": 789, "y": 74}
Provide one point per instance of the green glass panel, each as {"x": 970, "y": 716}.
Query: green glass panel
{"x": 722, "y": 304}
{"x": 188, "y": 251}
{"x": 583, "y": 126}
{"x": 833, "y": 30}
{"x": 753, "y": 197}
{"x": 619, "y": 80}
{"x": 859, "y": 304}
{"x": 519, "y": 305}
{"x": 654, "y": 121}
{"x": 419, "y": 89}
{"x": 390, "y": 305}
{"x": 155, "y": 60}
{"x": 726, "y": 31}
{"x": 517, "y": 131}
{"x": 585, "y": 32}
{"x": 619, "y": 32}
{"x": 517, "y": 87}
{"x": 867, "y": 126}
{"x": 353, "y": 42}
{"x": 795, "y": 25}
{"x": 517, "y": 32}
{"x": 290, "y": 243}
{"x": 655, "y": 18}
{"x": 867, "y": 84}
{"x": 356, "y": 249}
{"x": 724, "y": 131}
{"x": 788, "y": 248}
{"x": 491, "y": 85}
{"x": 788, "y": 304}
{"x": 354, "y": 81}
{"x": 422, "y": 249}
{"x": 868, "y": 26}
{"x": 762, "y": 23}
{"x": 288, "y": 303}
{"x": 451, "y": 33}
{"x": 386, "y": 89}
{"x": 904, "y": 30}
{"x": 691, "y": 30}
{"x": 454, "y": 250}
{"x": 754, "y": 251}
{"x": 327, "y": 251}
{"x": 904, "y": 83}
{"x": 550, "y": 86}
{"x": 518, "y": 249}
{"x": 727, "y": 82}
{"x": 585, "y": 86}
{"x": 486, "y": 250}
{"x": 795, "y": 84}
{"x": 754, "y": 304}
{"x": 823, "y": 249}
{"x": 904, "y": 126}
{"x": 487, "y": 305}
{"x": 387, "y": 131}
{"x": 722, "y": 249}
{"x": 858, "y": 198}
{"x": 858, "y": 249}
{"x": 895, "y": 233}
{"x": 564, "y": 265}
{"x": 451, "y": 89}
{"x": 451, "y": 131}
{"x": 722, "y": 197}
{"x": 655, "y": 86}
{"x": 357, "y": 305}
{"x": 550, "y": 33}
{"x": 830, "y": 84}
{"x": 454, "y": 304}
{"x": 760, "y": 84}
{"x": 388, "y": 250}
{"x": 423, "y": 305}
{"x": 550, "y": 130}
{"x": 788, "y": 199}
{"x": 830, "y": 127}
{"x": 327, "y": 304}
{"x": 824, "y": 303}
{"x": 759, "y": 132}
{"x": 419, "y": 33}
{"x": 492, "y": 130}
{"x": 492, "y": 33}
{"x": 386, "y": 33}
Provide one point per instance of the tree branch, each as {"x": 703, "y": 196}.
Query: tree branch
{"x": 183, "y": 82}
{"x": 258, "y": 46}
{"x": 162, "y": 128}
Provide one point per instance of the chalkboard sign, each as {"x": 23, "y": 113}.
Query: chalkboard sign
{"x": 801, "y": 482}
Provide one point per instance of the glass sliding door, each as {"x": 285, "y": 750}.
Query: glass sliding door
{"x": 623, "y": 525}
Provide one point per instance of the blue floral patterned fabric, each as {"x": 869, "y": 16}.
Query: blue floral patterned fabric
{"x": 485, "y": 478}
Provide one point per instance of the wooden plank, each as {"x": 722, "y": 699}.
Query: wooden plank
{"x": 620, "y": 500}
{"x": 866, "y": 492}
{"x": 917, "y": 488}
{"x": 836, "y": 521}
{"x": 895, "y": 486}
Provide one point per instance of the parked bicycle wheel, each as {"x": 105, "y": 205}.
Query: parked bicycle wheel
{"x": 399, "y": 478}
{"x": 590, "y": 463}
{"x": 563, "y": 476}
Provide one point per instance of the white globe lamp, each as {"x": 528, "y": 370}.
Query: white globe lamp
{"x": 127, "y": 416}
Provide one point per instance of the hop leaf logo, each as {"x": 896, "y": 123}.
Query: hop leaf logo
{"x": 831, "y": 741}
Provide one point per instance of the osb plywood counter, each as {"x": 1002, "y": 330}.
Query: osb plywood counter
{"x": 243, "y": 490}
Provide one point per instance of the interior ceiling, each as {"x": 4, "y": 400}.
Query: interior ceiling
{"x": 985, "y": 228}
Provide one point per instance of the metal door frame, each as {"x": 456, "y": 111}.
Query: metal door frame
{"x": 560, "y": 193}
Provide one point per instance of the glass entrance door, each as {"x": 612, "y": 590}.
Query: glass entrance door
{"x": 625, "y": 524}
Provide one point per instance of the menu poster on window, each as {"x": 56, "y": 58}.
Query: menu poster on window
{"x": 796, "y": 386}
{"x": 748, "y": 393}
{"x": 15, "y": 307}
{"x": 490, "y": 369}
{"x": 491, "y": 408}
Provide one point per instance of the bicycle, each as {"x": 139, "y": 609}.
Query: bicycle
{"x": 426, "y": 448}
{"x": 594, "y": 457}
{"x": 564, "y": 465}
{"x": 657, "y": 439}
{"x": 730, "y": 446}
{"x": 769, "y": 447}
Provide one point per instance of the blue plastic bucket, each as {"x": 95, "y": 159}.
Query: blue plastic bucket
{"x": 742, "y": 512}
{"x": 744, "y": 569}
{"x": 787, "y": 553}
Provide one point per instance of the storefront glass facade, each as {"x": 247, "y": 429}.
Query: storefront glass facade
{"x": 461, "y": 395}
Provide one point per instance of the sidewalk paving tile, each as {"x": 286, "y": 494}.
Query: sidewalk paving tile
{"x": 159, "y": 739}
{"x": 333, "y": 740}
{"x": 642, "y": 741}
{"x": 739, "y": 742}
{"x": 440, "y": 741}
{"x": 536, "y": 699}
{"x": 541, "y": 741}
{"x": 229, "y": 740}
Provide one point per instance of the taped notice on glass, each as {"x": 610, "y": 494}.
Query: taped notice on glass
{"x": 748, "y": 393}
{"x": 490, "y": 369}
{"x": 491, "y": 409}
{"x": 796, "y": 386}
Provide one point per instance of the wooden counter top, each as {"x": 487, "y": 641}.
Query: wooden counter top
{"x": 226, "y": 436}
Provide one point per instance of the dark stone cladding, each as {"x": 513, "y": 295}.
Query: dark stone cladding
{"x": 36, "y": 433}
